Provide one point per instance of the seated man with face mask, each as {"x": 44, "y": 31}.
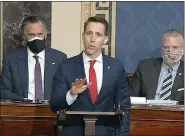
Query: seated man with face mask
{"x": 28, "y": 72}
{"x": 162, "y": 78}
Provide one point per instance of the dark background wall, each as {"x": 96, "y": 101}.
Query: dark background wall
{"x": 139, "y": 28}
{"x": 13, "y": 15}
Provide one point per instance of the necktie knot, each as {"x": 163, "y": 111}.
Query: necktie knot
{"x": 92, "y": 62}
{"x": 170, "y": 69}
{"x": 36, "y": 57}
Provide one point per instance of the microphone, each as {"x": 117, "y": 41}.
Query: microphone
{"x": 117, "y": 108}
{"x": 43, "y": 101}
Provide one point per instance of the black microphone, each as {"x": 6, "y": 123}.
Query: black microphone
{"x": 43, "y": 101}
{"x": 117, "y": 109}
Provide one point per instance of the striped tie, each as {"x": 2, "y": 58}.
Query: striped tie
{"x": 167, "y": 86}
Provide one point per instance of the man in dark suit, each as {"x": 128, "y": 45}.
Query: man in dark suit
{"x": 92, "y": 81}
{"x": 28, "y": 72}
{"x": 162, "y": 78}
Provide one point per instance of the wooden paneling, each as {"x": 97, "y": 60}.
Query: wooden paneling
{"x": 38, "y": 120}
{"x": 26, "y": 120}
{"x": 157, "y": 120}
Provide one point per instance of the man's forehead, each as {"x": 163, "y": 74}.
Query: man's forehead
{"x": 95, "y": 26}
{"x": 36, "y": 26}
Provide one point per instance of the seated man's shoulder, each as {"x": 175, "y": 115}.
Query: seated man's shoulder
{"x": 57, "y": 52}
{"x": 182, "y": 62}
{"x": 113, "y": 61}
{"x": 70, "y": 60}
{"x": 150, "y": 61}
{"x": 17, "y": 52}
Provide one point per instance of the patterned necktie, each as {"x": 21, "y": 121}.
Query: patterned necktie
{"x": 38, "y": 80}
{"x": 92, "y": 79}
{"x": 165, "y": 93}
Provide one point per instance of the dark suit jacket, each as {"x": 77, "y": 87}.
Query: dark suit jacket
{"x": 14, "y": 82}
{"x": 1, "y": 92}
{"x": 145, "y": 80}
{"x": 114, "y": 88}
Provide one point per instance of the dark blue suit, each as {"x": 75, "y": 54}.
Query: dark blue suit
{"x": 114, "y": 89}
{"x": 14, "y": 82}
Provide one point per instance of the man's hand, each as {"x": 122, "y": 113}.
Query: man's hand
{"x": 79, "y": 86}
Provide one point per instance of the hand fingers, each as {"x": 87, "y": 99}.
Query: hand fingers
{"x": 83, "y": 88}
{"x": 85, "y": 80}
{"x": 76, "y": 82}
{"x": 88, "y": 84}
{"x": 72, "y": 84}
{"x": 80, "y": 82}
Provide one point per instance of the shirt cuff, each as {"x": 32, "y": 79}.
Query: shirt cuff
{"x": 70, "y": 98}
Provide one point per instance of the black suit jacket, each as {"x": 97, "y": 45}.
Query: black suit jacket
{"x": 145, "y": 80}
{"x": 14, "y": 82}
{"x": 114, "y": 88}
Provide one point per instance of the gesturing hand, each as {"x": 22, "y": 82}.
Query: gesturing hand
{"x": 79, "y": 86}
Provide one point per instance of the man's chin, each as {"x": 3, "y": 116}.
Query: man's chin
{"x": 171, "y": 63}
{"x": 90, "y": 52}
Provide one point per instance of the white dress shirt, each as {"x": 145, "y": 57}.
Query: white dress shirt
{"x": 31, "y": 69}
{"x": 98, "y": 67}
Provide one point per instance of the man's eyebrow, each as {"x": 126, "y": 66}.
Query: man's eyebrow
{"x": 34, "y": 33}
{"x": 30, "y": 33}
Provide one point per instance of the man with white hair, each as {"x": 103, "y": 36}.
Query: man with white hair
{"x": 28, "y": 72}
{"x": 162, "y": 78}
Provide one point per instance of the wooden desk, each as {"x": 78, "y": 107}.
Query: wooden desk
{"x": 38, "y": 120}
{"x": 148, "y": 120}
{"x": 26, "y": 120}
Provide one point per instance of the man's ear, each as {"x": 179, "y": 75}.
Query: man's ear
{"x": 106, "y": 40}
{"x": 183, "y": 50}
{"x": 45, "y": 36}
{"x": 83, "y": 36}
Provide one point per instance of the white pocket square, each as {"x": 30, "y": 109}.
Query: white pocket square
{"x": 53, "y": 63}
{"x": 180, "y": 89}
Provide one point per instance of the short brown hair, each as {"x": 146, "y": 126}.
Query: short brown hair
{"x": 32, "y": 20}
{"x": 97, "y": 20}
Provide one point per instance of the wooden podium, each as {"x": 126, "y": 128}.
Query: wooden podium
{"x": 89, "y": 118}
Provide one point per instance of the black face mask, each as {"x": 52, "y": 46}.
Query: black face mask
{"x": 37, "y": 45}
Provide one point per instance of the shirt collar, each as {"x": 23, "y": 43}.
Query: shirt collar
{"x": 86, "y": 59}
{"x": 31, "y": 54}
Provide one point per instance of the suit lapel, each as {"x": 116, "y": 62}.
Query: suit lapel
{"x": 79, "y": 69}
{"x": 178, "y": 78}
{"x": 106, "y": 71}
{"x": 47, "y": 73}
{"x": 80, "y": 73}
{"x": 155, "y": 77}
{"x": 22, "y": 64}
